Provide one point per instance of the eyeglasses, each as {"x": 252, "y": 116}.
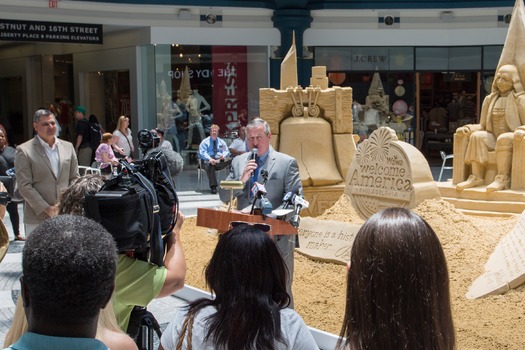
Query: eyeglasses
{"x": 263, "y": 227}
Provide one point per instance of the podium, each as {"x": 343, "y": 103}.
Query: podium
{"x": 220, "y": 220}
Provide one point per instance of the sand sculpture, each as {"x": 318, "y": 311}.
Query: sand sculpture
{"x": 489, "y": 165}
{"x": 505, "y": 268}
{"x": 489, "y": 148}
{"x": 484, "y": 153}
{"x": 387, "y": 173}
{"x": 376, "y": 106}
{"x": 314, "y": 125}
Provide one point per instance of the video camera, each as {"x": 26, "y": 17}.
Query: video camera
{"x": 5, "y": 198}
{"x": 147, "y": 140}
{"x": 139, "y": 205}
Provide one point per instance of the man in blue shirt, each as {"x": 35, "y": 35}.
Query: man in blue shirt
{"x": 214, "y": 155}
{"x": 68, "y": 266}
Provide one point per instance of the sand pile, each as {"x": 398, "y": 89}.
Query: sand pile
{"x": 495, "y": 322}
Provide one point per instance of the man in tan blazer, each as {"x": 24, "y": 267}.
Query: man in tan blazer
{"x": 45, "y": 166}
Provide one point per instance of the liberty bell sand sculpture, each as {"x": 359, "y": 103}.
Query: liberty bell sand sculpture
{"x": 314, "y": 125}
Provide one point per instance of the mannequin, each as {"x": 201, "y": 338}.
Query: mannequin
{"x": 194, "y": 116}
{"x": 202, "y": 104}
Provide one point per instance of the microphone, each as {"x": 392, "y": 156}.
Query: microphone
{"x": 286, "y": 200}
{"x": 266, "y": 206}
{"x": 259, "y": 193}
{"x": 254, "y": 157}
{"x": 282, "y": 210}
{"x": 175, "y": 161}
{"x": 258, "y": 190}
{"x": 300, "y": 203}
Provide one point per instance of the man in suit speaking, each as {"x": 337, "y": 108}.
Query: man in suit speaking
{"x": 283, "y": 177}
{"x": 45, "y": 166}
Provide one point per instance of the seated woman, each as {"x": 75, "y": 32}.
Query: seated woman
{"x": 104, "y": 154}
{"x": 248, "y": 277}
{"x": 397, "y": 293}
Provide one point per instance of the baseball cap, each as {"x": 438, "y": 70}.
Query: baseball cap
{"x": 81, "y": 109}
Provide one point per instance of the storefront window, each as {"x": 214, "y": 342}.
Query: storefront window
{"x": 401, "y": 58}
{"x": 203, "y": 85}
{"x": 491, "y": 55}
{"x": 432, "y": 58}
{"x": 464, "y": 58}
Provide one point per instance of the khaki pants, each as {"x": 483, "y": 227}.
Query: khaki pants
{"x": 84, "y": 156}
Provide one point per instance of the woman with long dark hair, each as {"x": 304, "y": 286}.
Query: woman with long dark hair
{"x": 398, "y": 287}
{"x": 247, "y": 276}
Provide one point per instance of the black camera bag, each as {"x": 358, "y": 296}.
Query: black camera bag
{"x": 127, "y": 206}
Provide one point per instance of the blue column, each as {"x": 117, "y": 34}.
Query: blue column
{"x": 289, "y": 21}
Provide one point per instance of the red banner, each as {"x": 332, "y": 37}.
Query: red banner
{"x": 230, "y": 85}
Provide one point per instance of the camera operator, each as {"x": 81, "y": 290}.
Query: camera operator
{"x": 138, "y": 282}
{"x": 140, "y": 275}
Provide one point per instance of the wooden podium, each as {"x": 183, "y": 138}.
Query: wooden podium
{"x": 220, "y": 220}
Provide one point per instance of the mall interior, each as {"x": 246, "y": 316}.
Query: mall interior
{"x": 432, "y": 61}
{"x": 435, "y": 60}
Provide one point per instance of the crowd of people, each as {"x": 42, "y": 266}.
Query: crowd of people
{"x": 79, "y": 291}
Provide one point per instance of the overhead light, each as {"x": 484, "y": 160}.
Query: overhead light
{"x": 211, "y": 18}
{"x": 389, "y": 20}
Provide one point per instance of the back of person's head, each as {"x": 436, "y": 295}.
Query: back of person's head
{"x": 398, "y": 286}
{"x": 93, "y": 119}
{"x": 72, "y": 200}
{"x": 68, "y": 265}
{"x": 247, "y": 258}
{"x": 248, "y": 277}
{"x": 106, "y": 137}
